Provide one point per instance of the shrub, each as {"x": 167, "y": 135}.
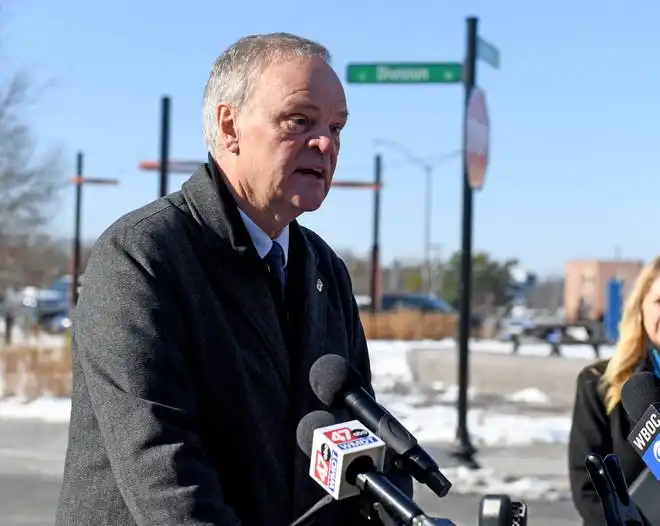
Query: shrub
{"x": 32, "y": 372}
{"x": 408, "y": 325}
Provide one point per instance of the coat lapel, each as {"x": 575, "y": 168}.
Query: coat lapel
{"x": 309, "y": 300}
{"x": 235, "y": 265}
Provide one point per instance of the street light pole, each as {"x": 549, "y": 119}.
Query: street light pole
{"x": 428, "y": 207}
{"x": 428, "y": 217}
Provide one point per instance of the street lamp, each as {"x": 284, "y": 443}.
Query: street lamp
{"x": 428, "y": 212}
{"x": 79, "y": 180}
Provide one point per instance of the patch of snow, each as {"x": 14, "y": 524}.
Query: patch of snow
{"x": 47, "y": 409}
{"x": 483, "y": 481}
{"x": 531, "y": 395}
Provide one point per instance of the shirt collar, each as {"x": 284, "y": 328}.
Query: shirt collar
{"x": 262, "y": 241}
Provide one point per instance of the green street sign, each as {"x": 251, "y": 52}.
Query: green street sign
{"x": 405, "y": 73}
{"x": 488, "y": 53}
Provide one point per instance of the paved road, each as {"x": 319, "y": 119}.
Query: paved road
{"x": 31, "y": 460}
{"x": 501, "y": 374}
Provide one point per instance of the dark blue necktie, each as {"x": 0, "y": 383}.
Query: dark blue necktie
{"x": 275, "y": 261}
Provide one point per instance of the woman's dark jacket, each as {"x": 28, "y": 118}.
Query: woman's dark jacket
{"x": 594, "y": 431}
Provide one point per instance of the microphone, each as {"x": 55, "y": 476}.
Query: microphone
{"x": 344, "y": 461}
{"x": 334, "y": 448}
{"x": 640, "y": 396}
{"x": 610, "y": 485}
{"x": 335, "y": 381}
{"x": 500, "y": 510}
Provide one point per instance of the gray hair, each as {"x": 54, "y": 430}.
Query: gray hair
{"x": 233, "y": 73}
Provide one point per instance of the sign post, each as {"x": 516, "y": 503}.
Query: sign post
{"x": 476, "y": 149}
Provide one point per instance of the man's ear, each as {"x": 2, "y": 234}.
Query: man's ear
{"x": 227, "y": 127}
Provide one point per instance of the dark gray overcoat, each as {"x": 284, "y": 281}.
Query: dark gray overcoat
{"x": 187, "y": 384}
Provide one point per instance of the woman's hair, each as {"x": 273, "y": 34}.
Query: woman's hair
{"x": 631, "y": 346}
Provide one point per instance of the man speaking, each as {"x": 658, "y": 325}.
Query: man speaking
{"x": 202, "y": 312}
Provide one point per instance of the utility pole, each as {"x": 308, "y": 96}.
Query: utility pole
{"x": 76, "y": 230}
{"x": 79, "y": 181}
{"x": 375, "y": 251}
{"x": 164, "y": 145}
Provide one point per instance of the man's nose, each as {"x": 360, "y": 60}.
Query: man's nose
{"x": 324, "y": 142}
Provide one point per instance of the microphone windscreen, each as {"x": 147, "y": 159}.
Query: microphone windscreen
{"x": 638, "y": 393}
{"x": 330, "y": 375}
{"x": 307, "y": 425}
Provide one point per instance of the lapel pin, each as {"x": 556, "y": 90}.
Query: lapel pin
{"x": 319, "y": 285}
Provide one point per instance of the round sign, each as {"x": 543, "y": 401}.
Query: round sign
{"x": 477, "y": 139}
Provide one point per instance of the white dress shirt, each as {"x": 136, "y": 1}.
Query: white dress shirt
{"x": 262, "y": 241}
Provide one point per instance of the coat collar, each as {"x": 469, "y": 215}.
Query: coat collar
{"x": 240, "y": 274}
{"x": 213, "y": 206}
{"x": 645, "y": 364}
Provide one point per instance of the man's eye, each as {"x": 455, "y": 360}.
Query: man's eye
{"x": 297, "y": 122}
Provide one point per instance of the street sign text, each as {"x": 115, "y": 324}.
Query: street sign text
{"x": 405, "y": 73}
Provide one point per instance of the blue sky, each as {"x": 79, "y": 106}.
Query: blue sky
{"x": 574, "y": 112}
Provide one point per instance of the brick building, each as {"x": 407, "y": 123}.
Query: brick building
{"x": 586, "y": 281}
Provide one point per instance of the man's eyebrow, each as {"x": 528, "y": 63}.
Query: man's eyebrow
{"x": 314, "y": 107}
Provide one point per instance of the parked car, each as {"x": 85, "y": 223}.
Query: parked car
{"x": 416, "y": 302}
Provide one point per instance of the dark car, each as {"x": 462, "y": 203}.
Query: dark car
{"x": 416, "y": 302}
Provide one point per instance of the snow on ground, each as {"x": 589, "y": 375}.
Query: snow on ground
{"x": 438, "y": 424}
{"x": 436, "y": 421}
{"x": 531, "y": 395}
{"x": 485, "y": 481}
{"x": 430, "y": 415}
{"x": 578, "y": 351}
{"x": 47, "y": 408}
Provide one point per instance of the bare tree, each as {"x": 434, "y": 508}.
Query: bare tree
{"x": 28, "y": 186}
{"x": 35, "y": 260}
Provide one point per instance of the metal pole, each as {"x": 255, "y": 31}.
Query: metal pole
{"x": 375, "y": 252}
{"x": 76, "y": 235}
{"x": 464, "y": 449}
{"x": 428, "y": 280}
{"x": 164, "y": 145}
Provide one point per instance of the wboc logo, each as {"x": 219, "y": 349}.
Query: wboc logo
{"x": 656, "y": 450}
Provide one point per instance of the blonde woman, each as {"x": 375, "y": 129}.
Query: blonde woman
{"x": 600, "y": 424}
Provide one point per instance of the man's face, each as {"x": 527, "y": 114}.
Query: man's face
{"x": 287, "y": 140}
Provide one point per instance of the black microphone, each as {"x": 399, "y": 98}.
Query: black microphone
{"x": 362, "y": 473}
{"x": 500, "y": 510}
{"x": 640, "y": 395}
{"x": 610, "y": 485}
{"x": 335, "y": 381}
